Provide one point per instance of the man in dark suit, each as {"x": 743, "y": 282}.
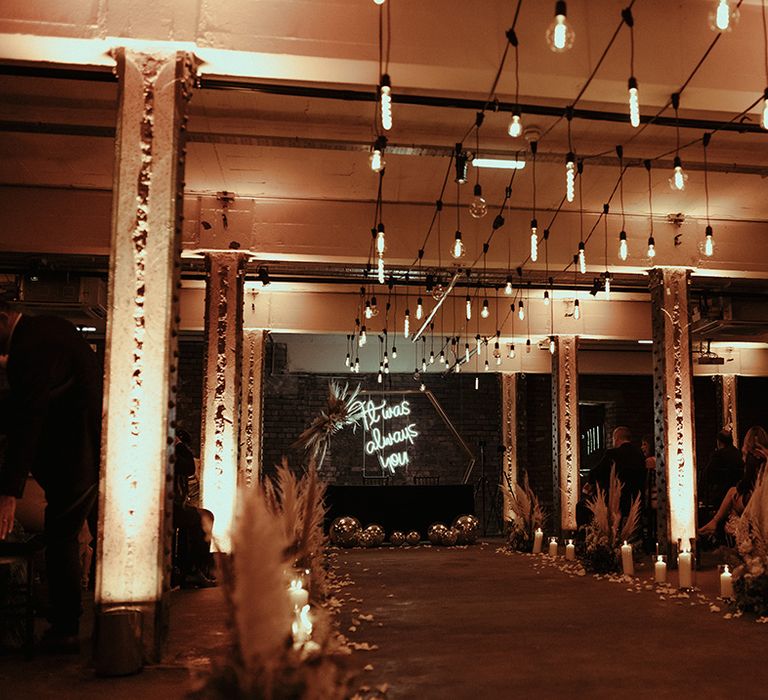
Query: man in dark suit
{"x": 723, "y": 470}
{"x": 630, "y": 468}
{"x": 54, "y": 434}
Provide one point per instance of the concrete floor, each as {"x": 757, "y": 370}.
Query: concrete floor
{"x": 469, "y": 623}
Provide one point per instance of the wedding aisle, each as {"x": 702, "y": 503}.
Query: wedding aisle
{"x": 473, "y": 623}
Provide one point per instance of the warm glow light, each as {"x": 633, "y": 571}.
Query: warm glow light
{"x": 368, "y": 310}
{"x": 515, "y": 128}
{"x": 431, "y": 358}
{"x": 468, "y": 308}
{"x": 607, "y": 285}
{"x": 498, "y": 163}
{"x": 511, "y": 352}
{"x": 508, "y": 287}
{"x": 486, "y": 367}
{"x": 765, "y": 110}
{"x": 442, "y": 358}
{"x": 477, "y": 383}
{"x": 634, "y": 103}
{"x": 386, "y": 103}
{"x": 576, "y": 310}
{"x": 376, "y": 161}
{"x": 651, "y": 253}
{"x": 347, "y": 360}
{"x": 623, "y": 248}
{"x": 679, "y": 177}
{"x": 457, "y": 250}
{"x": 419, "y": 308}
{"x": 560, "y": 36}
{"x": 407, "y": 324}
{"x": 582, "y": 258}
{"x": 520, "y": 310}
{"x": 722, "y": 15}
{"x": 362, "y": 339}
{"x": 534, "y": 244}
{"x": 546, "y": 298}
{"x": 380, "y": 270}
{"x": 551, "y": 345}
{"x": 570, "y": 177}
{"x": 466, "y": 352}
{"x": 485, "y": 311}
{"x": 709, "y": 242}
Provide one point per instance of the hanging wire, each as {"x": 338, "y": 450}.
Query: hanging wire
{"x": 705, "y": 142}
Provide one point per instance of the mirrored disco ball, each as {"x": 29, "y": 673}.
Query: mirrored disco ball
{"x": 345, "y": 531}
{"x": 468, "y": 529}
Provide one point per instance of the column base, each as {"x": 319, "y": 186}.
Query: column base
{"x": 117, "y": 645}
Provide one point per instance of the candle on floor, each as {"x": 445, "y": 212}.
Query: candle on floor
{"x": 626, "y": 559}
{"x": 538, "y": 538}
{"x": 726, "y": 583}
{"x": 684, "y": 569}
{"x": 553, "y": 546}
{"x": 660, "y": 569}
{"x": 297, "y": 595}
{"x": 570, "y": 551}
{"x": 301, "y": 626}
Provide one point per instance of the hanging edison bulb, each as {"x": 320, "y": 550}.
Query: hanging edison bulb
{"x": 528, "y": 346}
{"x": 431, "y": 357}
{"x": 634, "y": 103}
{"x": 362, "y": 339}
{"x": 679, "y": 176}
{"x": 651, "y": 252}
{"x": 520, "y": 310}
{"x": 607, "y": 284}
{"x": 570, "y": 176}
{"x": 380, "y": 377}
{"x": 357, "y": 365}
{"x": 534, "y": 240}
{"x": 485, "y": 311}
{"x": 466, "y": 352}
{"x": 468, "y": 305}
{"x": 457, "y": 250}
{"x": 407, "y": 324}
{"x": 368, "y": 310}
{"x": 347, "y": 360}
{"x": 576, "y": 310}
{"x": 623, "y": 247}
{"x": 486, "y": 367}
{"x": 441, "y": 358}
{"x": 394, "y": 352}
{"x": 764, "y": 120}
{"x": 478, "y": 343}
{"x": 478, "y": 207}
{"x": 724, "y": 15}
{"x": 709, "y": 242}
{"x": 582, "y": 258}
{"x": 515, "y": 128}
{"x": 374, "y": 307}
{"x": 379, "y": 2}
{"x": 551, "y": 344}
{"x": 508, "y": 287}
{"x": 423, "y": 364}
{"x": 385, "y": 98}
{"x": 560, "y": 35}
{"x": 419, "y": 308}
{"x": 546, "y": 297}
{"x": 511, "y": 351}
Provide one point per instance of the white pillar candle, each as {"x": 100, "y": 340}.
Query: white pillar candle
{"x": 538, "y": 538}
{"x": 660, "y": 570}
{"x": 570, "y": 551}
{"x": 684, "y": 569}
{"x": 297, "y": 595}
{"x": 553, "y": 546}
{"x": 726, "y": 583}
{"x": 628, "y": 565}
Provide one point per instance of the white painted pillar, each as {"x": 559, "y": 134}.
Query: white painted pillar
{"x": 222, "y": 389}
{"x": 509, "y": 437}
{"x": 141, "y": 347}
{"x": 565, "y": 433}
{"x": 673, "y": 407}
{"x": 254, "y": 342}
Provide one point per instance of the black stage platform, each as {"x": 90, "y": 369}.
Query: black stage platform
{"x": 403, "y": 508}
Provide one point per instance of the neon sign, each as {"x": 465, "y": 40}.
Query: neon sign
{"x": 381, "y": 441}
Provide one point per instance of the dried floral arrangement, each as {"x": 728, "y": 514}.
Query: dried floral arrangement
{"x": 278, "y": 531}
{"x": 608, "y": 530}
{"x": 342, "y": 409}
{"x": 751, "y": 576}
{"x": 529, "y": 515}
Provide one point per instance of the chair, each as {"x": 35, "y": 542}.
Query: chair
{"x": 19, "y": 601}
{"x": 426, "y": 480}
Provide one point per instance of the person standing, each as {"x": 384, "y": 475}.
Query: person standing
{"x": 54, "y": 433}
{"x": 724, "y": 469}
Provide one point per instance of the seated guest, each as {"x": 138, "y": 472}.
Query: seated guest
{"x": 194, "y": 559}
{"x": 755, "y": 453}
{"x": 723, "y": 471}
{"x": 630, "y": 468}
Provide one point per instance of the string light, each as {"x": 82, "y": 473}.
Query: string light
{"x": 368, "y": 310}
{"x": 582, "y": 258}
{"x": 515, "y": 128}
{"x": 419, "y": 308}
{"x": 457, "y": 251}
{"x": 379, "y": 2}
{"x": 534, "y": 241}
{"x": 634, "y": 103}
{"x": 385, "y": 95}
{"x": 357, "y": 365}
{"x": 376, "y": 159}
{"x": 394, "y": 352}
{"x": 528, "y": 346}
{"x": 560, "y": 36}
{"x": 441, "y": 358}
{"x": 347, "y": 360}
{"x": 709, "y": 240}
{"x": 485, "y": 311}
{"x": 477, "y": 383}
{"x": 651, "y": 252}
{"x": 551, "y": 344}
{"x": 546, "y": 297}
{"x": 570, "y": 176}
{"x": 511, "y": 351}
{"x": 407, "y": 324}
{"x": 508, "y": 287}
{"x": 764, "y": 121}
{"x": 520, "y": 310}
{"x": 468, "y": 308}
{"x": 607, "y": 284}
{"x": 623, "y": 248}
{"x": 478, "y": 207}
{"x": 432, "y": 357}
{"x": 679, "y": 176}
{"x": 379, "y": 377}
{"x": 362, "y": 339}
{"x": 374, "y": 307}
{"x": 576, "y": 310}
{"x": 486, "y": 367}
{"x": 466, "y": 352}
{"x": 723, "y": 16}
